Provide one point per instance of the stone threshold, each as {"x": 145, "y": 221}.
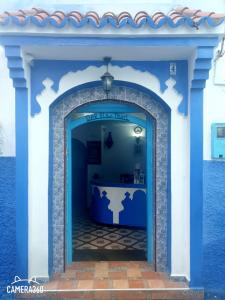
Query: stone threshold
{"x": 120, "y": 294}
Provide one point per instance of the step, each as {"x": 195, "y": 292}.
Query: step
{"x": 123, "y": 294}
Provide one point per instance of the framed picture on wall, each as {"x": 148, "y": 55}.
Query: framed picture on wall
{"x": 94, "y": 152}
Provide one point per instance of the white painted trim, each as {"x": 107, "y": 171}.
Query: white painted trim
{"x": 7, "y": 109}
{"x": 214, "y": 103}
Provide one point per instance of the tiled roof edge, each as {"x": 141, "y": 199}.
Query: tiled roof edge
{"x": 193, "y": 18}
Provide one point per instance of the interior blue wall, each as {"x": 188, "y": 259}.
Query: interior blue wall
{"x": 7, "y": 222}
{"x": 214, "y": 226}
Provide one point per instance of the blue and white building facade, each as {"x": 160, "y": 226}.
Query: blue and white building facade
{"x": 170, "y": 69}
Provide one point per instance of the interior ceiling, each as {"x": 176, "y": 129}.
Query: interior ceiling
{"x": 137, "y": 53}
{"x": 99, "y": 124}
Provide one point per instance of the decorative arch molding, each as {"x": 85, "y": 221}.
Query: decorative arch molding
{"x": 156, "y": 70}
{"x": 124, "y": 93}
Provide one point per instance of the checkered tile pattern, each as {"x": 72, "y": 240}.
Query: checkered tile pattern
{"x": 89, "y": 235}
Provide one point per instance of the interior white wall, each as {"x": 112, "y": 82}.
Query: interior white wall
{"x": 122, "y": 150}
{"x": 7, "y": 109}
{"x": 214, "y": 102}
{"x": 38, "y": 157}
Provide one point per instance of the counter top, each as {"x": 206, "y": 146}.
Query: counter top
{"x": 122, "y": 185}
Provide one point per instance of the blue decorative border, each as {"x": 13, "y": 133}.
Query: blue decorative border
{"x": 12, "y": 40}
{"x": 15, "y": 65}
{"x": 110, "y": 21}
{"x": 54, "y": 70}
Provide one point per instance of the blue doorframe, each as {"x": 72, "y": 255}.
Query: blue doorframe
{"x": 71, "y": 124}
{"x": 149, "y": 187}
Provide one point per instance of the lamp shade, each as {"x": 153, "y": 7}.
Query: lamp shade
{"x": 107, "y": 80}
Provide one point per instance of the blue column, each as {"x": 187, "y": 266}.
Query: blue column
{"x": 196, "y": 192}
{"x": 22, "y": 182}
{"x": 204, "y": 55}
{"x": 15, "y": 65}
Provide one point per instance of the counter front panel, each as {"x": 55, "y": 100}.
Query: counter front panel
{"x": 122, "y": 204}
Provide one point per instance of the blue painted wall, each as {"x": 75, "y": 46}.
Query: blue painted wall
{"x": 214, "y": 227}
{"x": 7, "y": 222}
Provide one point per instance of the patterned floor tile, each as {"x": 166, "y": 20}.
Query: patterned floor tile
{"x": 87, "y": 237}
{"x": 124, "y": 231}
{"x": 127, "y": 241}
{"x": 100, "y": 242}
{"x": 99, "y": 232}
{"x": 77, "y": 243}
{"x": 140, "y": 246}
{"x": 113, "y": 236}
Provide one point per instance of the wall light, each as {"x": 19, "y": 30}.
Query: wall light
{"x": 107, "y": 78}
{"x": 138, "y": 131}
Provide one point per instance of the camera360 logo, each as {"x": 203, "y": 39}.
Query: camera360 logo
{"x": 25, "y": 286}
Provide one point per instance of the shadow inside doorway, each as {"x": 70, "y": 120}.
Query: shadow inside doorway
{"x": 109, "y": 255}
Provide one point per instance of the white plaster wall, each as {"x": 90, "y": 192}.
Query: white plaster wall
{"x": 38, "y": 189}
{"x": 102, "y": 6}
{"x": 7, "y": 109}
{"x": 38, "y": 165}
{"x": 37, "y": 208}
{"x": 214, "y": 102}
{"x": 180, "y": 208}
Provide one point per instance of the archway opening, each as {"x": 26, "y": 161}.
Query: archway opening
{"x": 77, "y": 100}
{"x": 109, "y": 183}
{"x": 109, "y": 205}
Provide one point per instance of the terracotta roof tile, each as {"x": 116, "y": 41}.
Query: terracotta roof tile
{"x": 177, "y": 17}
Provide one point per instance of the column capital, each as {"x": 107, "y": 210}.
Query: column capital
{"x": 16, "y": 66}
{"x": 202, "y": 66}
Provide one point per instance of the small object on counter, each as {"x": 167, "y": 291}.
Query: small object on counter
{"x": 142, "y": 178}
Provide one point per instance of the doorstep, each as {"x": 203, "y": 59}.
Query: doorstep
{"x": 112, "y": 280}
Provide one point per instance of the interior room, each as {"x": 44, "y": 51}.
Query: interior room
{"x": 109, "y": 191}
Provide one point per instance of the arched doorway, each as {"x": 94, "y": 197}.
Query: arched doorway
{"x": 112, "y": 111}
{"x": 123, "y": 93}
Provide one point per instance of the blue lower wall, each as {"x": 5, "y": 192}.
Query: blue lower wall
{"x": 214, "y": 226}
{"x": 7, "y": 222}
